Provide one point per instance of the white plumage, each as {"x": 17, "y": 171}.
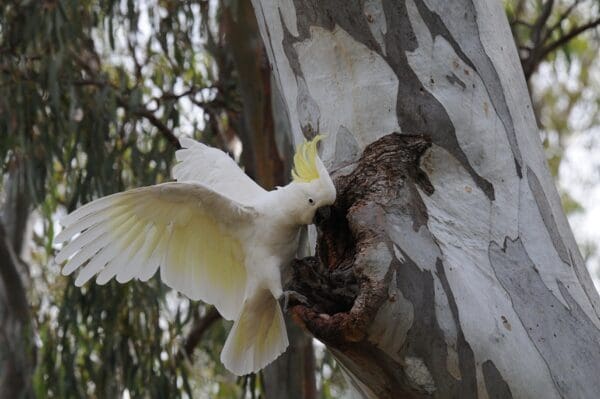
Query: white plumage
{"x": 214, "y": 234}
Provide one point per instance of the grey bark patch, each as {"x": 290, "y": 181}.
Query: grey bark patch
{"x": 369, "y": 365}
{"x": 376, "y": 18}
{"x": 455, "y": 80}
{"x": 465, "y": 353}
{"x": 260, "y": 15}
{"x": 475, "y": 54}
{"x": 418, "y": 374}
{"x": 425, "y": 339}
{"x": 347, "y": 150}
{"x": 417, "y": 109}
{"x": 547, "y": 215}
{"x": 308, "y": 110}
{"x": 393, "y": 320}
{"x": 281, "y": 120}
{"x": 496, "y": 386}
{"x": 436, "y": 27}
{"x": 288, "y": 47}
{"x": 565, "y": 337}
{"x": 590, "y": 290}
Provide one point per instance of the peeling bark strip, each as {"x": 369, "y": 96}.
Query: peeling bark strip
{"x": 410, "y": 291}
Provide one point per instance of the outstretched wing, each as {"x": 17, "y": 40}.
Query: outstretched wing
{"x": 213, "y": 168}
{"x": 187, "y": 230}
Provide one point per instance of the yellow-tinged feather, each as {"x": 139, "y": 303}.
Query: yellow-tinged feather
{"x": 156, "y": 257}
{"x": 132, "y": 239}
{"x": 305, "y": 161}
{"x": 258, "y": 336}
{"x": 171, "y": 226}
{"x": 141, "y": 260}
{"x": 192, "y": 234}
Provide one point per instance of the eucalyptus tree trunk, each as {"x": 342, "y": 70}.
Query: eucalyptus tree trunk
{"x": 447, "y": 267}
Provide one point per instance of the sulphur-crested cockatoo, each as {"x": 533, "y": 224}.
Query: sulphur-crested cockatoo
{"x": 215, "y": 235}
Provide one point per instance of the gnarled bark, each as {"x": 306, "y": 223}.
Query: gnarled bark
{"x": 443, "y": 272}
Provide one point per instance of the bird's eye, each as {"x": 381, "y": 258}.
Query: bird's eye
{"x": 311, "y": 201}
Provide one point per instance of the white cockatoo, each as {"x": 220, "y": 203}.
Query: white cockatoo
{"x": 216, "y": 236}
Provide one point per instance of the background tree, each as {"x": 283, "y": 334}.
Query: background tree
{"x": 92, "y": 97}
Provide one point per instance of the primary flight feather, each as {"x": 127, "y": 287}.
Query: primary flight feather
{"x": 214, "y": 234}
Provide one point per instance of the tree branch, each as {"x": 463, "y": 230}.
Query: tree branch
{"x": 522, "y": 23}
{"x": 530, "y": 63}
{"x": 162, "y": 128}
{"x": 568, "y": 37}
{"x": 539, "y": 51}
{"x": 540, "y": 23}
{"x": 562, "y": 17}
{"x": 200, "y": 326}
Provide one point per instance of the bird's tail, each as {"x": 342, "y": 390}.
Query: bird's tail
{"x": 258, "y": 335}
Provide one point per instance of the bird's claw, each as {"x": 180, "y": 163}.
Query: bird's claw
{"x": 292, "y": 297}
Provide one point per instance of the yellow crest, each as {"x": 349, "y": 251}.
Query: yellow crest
{"x": 305, "y": 162}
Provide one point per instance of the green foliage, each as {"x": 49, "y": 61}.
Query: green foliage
{"x": 111, "y": 341}
{"x": 92, "y": 94}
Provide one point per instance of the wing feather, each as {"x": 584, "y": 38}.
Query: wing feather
{"x": 91, "y": 249}
{"x": 140, "y": 257}
{"x": 86, "y": 237}
{"x": 128, "y": 243}
{"x": 215, "y": 169}
{"x": 187, "y": 230}
{"x": 82, "y": 223}
{"x": 156, "y": 258}
{"x": 91, "y": 208}
{"x": 104, "y": 248}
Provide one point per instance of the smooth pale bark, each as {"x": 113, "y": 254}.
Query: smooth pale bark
{"x": 470, "y": 283}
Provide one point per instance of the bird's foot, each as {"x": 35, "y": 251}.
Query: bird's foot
{"x": 292, "y": 297}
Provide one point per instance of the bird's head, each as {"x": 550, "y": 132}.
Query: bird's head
{"x": 311, "y": 181}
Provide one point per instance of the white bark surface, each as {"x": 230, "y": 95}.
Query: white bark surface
{"x": 513, "y": 305}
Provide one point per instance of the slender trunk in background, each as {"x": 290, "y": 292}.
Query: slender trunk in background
{"x": 17, "y": 357}
{"x": 448, "y": 235}
{"x": 292, "y": 375}
{"x": 260, "y": 155}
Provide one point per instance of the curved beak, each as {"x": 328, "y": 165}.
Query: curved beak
{"x": 322, "y": 214}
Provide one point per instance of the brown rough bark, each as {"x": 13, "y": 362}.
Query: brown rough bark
{"x": 260, "y": 156}
{"x": 343, "y": 301}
